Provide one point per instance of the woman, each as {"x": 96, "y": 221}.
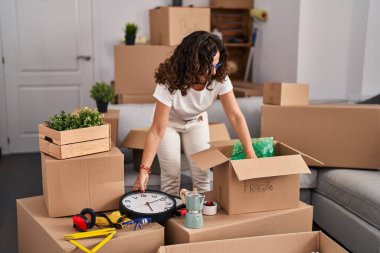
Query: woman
{"x": 188, "y": 83}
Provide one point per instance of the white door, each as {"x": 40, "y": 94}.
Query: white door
{"x": 47, "y": 48}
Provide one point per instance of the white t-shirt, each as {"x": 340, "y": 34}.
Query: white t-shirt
{"x": 194, "y": 103}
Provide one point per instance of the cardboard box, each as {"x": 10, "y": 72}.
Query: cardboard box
{"x": 39, "y": 234}
{"x": 136, "y": 141}
{"x": 74, "y": 143}
{"x": 94, "y": 181}
{"x": 135, "y": 67}
{"x": 228, "y": 4}
{"x": 169, "y": 25}
{"x": 346, "y": 136}
{"x": 285, "y": 243}
{"x": 254, "y": 185}
{"x": 223, "y": 226}
{"x": 112, "y": 118}
{"x": 286, "y": 94}
{"x": 137, "y": 99}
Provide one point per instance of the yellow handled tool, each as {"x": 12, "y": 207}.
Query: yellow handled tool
{"x": 109, "y": 232}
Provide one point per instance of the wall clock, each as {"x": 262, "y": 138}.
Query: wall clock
{"x": 149, "y": 204}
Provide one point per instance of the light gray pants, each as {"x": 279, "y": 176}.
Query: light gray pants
{"x": 195, "y": 137}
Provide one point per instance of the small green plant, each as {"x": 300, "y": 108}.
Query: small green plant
{"x": 86, "y": 117}
{"x": 102, "y": 92}
{"x": 131, "y": 29}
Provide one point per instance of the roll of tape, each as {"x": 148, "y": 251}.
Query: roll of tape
{"x": 259, "y": 14}
{"x": 210, "y": 210}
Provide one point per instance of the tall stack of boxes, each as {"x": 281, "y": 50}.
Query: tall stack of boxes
{"x": 258, "y": 196}
{"x": 340, "y": 135}
{"x": 135, "y": 65}
{"x": 80, "y": 169}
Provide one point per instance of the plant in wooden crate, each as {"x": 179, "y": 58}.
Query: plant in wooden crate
{"x": 102, "y": 93}
{"x": 130, "y": 33}
{"x": 68, "y": 135}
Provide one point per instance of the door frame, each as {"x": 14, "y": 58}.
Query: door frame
{"x": 3, "y": 106}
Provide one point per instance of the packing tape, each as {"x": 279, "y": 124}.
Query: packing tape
{"x": 259, "y": 14}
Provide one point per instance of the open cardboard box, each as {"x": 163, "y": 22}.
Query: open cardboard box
{"x": 305, "y": 242}
{"x": 254, "y": 185}
{"x": 135, "y": 140}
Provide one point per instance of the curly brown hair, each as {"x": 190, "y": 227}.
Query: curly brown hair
{"x": 191, "y": 62}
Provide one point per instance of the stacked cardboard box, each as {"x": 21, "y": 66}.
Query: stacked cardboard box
{"x": 83, "y": 180}
{"x": 339, "y": 135}
{"x": 37, "y": 233}
{"x": 259, "y": 196}
{"x": 84, "y": 173}
{"x": 284, "y": 243}
{"x": 135, "y": 65}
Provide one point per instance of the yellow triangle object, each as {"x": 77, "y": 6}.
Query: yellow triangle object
{"x": 110, "y": 232}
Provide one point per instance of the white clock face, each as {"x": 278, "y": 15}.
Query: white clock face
{"x": 148, "y": 202}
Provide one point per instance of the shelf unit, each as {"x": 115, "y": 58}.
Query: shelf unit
{"x": 236, "y": 28}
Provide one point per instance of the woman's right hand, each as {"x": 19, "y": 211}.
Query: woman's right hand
{"x": 141, "y": 181}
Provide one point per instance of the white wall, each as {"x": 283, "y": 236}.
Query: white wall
{"x": 275, "y": 55}
{"x": 371, "y": 78}
{"x": 111, "y": 16}
{"x": 325, "y": 43}
{"x": 331, "y": 47}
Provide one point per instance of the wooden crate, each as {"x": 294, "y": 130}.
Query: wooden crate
{"x": 73, "y": 143}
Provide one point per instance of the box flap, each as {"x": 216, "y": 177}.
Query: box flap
{"x": 326, "y": 244}
{"x": 135, "y": 138}
{"x": 287, "y": 150}
{"x": 209, "y": 158}
{"x": 269, "y": 167}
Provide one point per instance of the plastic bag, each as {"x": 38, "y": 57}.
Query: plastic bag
{"x": 263, "y": 148}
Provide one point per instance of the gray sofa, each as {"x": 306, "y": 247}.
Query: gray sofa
{"x": 346, "y": 202}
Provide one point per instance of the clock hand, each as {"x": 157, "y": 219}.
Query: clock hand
{"x": 155, "y": 200}
{"x": 149, "y": 206}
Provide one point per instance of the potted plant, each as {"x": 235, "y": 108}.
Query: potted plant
{"x": 130, "y": 33}
{"x": 102, "y": 93}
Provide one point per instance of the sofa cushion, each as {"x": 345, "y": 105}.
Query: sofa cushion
{"x": 309, "y": 181}
{"x": 356, "y": 190}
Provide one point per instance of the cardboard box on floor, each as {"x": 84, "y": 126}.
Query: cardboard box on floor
{"x": 37, "y": 233}
{"x": 286, "y": 94}
{"x": 94, "y": 181}
{"x": 135, "y": 67}
{"x": 224, "y": 226}
{"x": 284, "y": 243}
{"x": 169, "y": 25}
{"x": 346, "y": 136}
{"x": 254, "y": 185}
{"x": 112, "y": 118}
{"x": 136, "y": 141}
